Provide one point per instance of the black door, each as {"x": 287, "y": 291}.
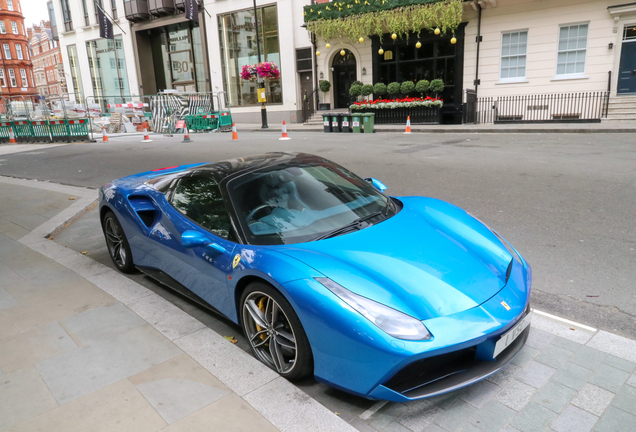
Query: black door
{"x": 627, "y": 70}
{"x": 344, "y": 74}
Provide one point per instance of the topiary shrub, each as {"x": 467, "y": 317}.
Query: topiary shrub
{"x": 407, "y": 88}
{"x": 379, "y": 89}
{"x": 393, "y": 88}
{"x": 324, "y": 86}
{"x": 437, "y": 86}
{"x": 367, "y": 89}
{"x": 357, "y": 83}
{"x": 355, "y": 91}
{"x": 422, "y": 87}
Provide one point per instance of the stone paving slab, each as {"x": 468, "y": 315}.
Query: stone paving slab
{"x": 567, "y": 377}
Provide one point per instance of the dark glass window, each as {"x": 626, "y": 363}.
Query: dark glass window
{"x": 200, "y": 199}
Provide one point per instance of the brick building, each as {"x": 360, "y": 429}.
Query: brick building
{"x": 16, "y": 70}
{"x": 46, "y": 57}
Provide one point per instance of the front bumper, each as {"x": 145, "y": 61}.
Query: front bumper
{"x": 352, "y": 354}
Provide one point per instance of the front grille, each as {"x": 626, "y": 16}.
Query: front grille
{"x": 438, "y": 374}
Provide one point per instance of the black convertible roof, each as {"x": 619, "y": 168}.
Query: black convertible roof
{"x": 237, "y": 166}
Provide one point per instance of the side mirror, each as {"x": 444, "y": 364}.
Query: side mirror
{"x": 377, "y": 184}
{"x": 192, "y": 239}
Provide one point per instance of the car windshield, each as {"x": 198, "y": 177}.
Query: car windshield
{"x": 300, "y": 202}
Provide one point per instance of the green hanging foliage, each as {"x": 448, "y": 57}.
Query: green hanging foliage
{"x": 344, "y": 8}
{"x": 412, "y": 18}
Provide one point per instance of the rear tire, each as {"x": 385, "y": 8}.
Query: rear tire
{"x": 279, "y": 341}
{"x": 117, "y": 243}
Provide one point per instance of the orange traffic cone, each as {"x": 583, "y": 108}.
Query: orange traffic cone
{"x": 11, "y": 136}
{"x": 146, "y": 136}
{"x": 234, "y": 134}
{"x": 186, "y": 137}
{"x": 408, "y": 125}
{"x": 284, "y": 137}
{"x": 104, "y": 135}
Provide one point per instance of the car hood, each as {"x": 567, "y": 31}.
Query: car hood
{"x": 431, "y": 259}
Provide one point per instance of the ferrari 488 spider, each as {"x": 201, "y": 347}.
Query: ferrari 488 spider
{"x": 394, "y": 298}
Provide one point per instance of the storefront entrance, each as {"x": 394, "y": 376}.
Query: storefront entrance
{"x": 175, "y": 59}
{"x": 344, "y": 74}
{"x": 627, "y": 70}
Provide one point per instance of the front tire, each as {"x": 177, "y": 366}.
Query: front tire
{"x": 117, "y": 243}
{"x": 275, "y": 334}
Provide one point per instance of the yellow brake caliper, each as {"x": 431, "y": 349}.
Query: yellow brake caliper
{"x": 261, "y": 306}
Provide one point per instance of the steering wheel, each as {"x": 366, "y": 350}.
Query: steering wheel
{"x": 250, "y": 217}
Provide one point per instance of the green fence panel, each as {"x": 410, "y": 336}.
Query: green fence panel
{"x": 41, "y": 131}
{"x": 59, "y": 130}
{"x": 22, "y": 131}
{"x": 77, "y": 130}
{"x": 4, "y": 131}
{"x": 225, "y": 119}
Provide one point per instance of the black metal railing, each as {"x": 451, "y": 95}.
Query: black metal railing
{"x": 587, "y": 107}
{"x": 418, "y": 115}
{"x": 309, "y": 105}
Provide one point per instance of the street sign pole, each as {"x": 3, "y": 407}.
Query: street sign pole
{"x": 261, "y": 83}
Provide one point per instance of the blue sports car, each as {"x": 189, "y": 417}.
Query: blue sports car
{"x": 394, "y": 298}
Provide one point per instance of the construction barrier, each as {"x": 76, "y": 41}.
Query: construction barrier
{"x": 202, "y": 122}
{"x": 4, "y": 131}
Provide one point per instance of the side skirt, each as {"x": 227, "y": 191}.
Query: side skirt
{"x": 172, "y": 284}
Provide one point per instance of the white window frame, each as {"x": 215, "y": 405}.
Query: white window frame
{"x": 576, "y": 75}
{"x": 25, "y": 80}
{"x": 501, "y": 57}
{"x": 7, "y": 51}
{"x": 14, "y": 83}
{"x": 18, "y": 52}
{"x": 3, "y": 81}
{"x": 3, "y": 27}
{"x": 10, "y": 5}
{"x": 14, "y": 27}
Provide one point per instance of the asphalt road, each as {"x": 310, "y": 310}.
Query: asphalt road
{"x": 566, "y": 201}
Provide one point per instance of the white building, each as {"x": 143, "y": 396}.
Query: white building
{"x": 94, "y": 67}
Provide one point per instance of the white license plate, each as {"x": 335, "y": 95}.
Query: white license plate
{"x": 512, "y": 334}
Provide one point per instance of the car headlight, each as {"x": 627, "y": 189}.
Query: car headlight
{"x": 389, "y": 320}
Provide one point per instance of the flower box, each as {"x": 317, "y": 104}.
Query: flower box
{"x": 396, "y": 111}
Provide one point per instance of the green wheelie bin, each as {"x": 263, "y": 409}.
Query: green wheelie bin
{"x": 356, "y": 123}
{"x": 369, "y": 122}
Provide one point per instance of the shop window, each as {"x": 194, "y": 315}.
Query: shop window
{"x": 514, "y": 46}
{"x": 572, "y": 50}
{"x": 237, "y": 37}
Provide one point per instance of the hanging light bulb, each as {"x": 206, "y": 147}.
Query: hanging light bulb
{"x": 394, "y": 36}
{"x": 342, "y": 52}
{"x": 361, "y": 40}
{"x": 318, "y": 53}
{"x": 380, "y": 51}
{"x": 454, "y": 40}
{"x": 328, "y": 46}
{"x": 418, "y": 45}
{"x": 437, "y": 31}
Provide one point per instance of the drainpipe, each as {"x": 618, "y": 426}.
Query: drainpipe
{"x": 477, "y": 80}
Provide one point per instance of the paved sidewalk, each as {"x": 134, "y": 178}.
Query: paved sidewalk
{"x": 82, "y": 348}
{"x": 608, "y": 127}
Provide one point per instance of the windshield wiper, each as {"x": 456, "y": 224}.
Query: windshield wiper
{"x": 355, "y": 225}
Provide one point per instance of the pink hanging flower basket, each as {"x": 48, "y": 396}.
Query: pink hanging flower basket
{"x": 263, "y": 70}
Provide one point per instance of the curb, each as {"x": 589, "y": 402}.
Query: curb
{"x": 472, "y": 131}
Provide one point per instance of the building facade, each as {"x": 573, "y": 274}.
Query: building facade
{"x": 46, "y": 57}
{"x": 94, "y": 67}
{"x": 16, "y": 70}
{"x": 503, "y": 48}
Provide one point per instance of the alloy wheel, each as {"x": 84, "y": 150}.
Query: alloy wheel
{"x": 269, "y": 332}
{"x": 115, "y": 242}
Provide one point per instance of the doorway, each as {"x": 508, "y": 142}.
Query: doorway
{"x": 627, "y": 68}
{"x": 344, "y": 74}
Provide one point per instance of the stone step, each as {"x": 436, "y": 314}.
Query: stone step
{"x": 622, "y": 110}
{"x": 622, "y": 116}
